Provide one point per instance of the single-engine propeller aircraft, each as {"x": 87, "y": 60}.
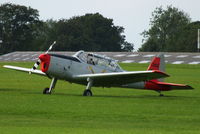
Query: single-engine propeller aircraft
{"x": 100, "y": 71}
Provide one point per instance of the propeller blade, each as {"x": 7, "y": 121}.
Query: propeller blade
{"x": 50, "y": 47}
{"x": 35, "y": 66}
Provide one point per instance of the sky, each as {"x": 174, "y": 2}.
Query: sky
{"x": 133, "y": 15}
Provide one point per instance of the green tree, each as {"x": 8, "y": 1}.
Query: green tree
{"x": 187, "y": 39}
{"x": 166, "y": 25}
{"x": 129, "y": 47}
{"x": 18, "y": 27}
{"x": 91, "y": 32}
{"x": 46, "y": 34}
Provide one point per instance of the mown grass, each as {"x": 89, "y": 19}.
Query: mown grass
{"x": 25, "y": 110}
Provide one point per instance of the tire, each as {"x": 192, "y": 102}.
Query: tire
{"x": 87, "y": 93}
{"x": 46, "y": 91}
{"x": 161, "y": 95}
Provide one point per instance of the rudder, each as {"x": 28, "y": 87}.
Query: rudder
{"x": 158, "y": 63}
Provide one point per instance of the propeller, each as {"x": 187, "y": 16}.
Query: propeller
{"x": 37, "y": 63}
{"x": 50, "y": 47}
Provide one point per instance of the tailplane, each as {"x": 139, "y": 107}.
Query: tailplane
{"x": 158, "y": 63}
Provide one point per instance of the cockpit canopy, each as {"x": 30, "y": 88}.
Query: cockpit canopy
{"x": 98, "y": 60}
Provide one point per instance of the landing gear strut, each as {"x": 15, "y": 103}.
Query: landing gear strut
{"x": 160, "y": 94}
{"x": 88, "y": 91}
{"x": 52, "y": 86}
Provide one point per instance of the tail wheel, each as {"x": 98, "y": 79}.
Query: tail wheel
{"x": 161, "y": 95}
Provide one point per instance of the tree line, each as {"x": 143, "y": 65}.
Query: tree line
{"x": 22, "y": 30}
{"x": 171, "y": 30}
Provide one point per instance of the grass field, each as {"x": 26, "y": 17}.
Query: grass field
{"x": 25, "y": 110}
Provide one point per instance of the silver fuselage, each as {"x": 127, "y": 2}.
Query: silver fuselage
{"x": 65, "y": 67}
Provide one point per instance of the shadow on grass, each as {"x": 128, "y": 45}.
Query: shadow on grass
{"x": 131, "y": 97}
{"x": 144, "y": 96}
{"x": 24, "y": 91}
{"x": 17, "y": 90}
{"x": 10, "y": 90}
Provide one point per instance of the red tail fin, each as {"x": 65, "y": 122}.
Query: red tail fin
{"x": 155, "y": 64}
{"x": 158, "y": 63}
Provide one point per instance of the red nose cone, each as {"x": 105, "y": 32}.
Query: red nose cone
{"x": 45, "y": 61}
{"x": 44, "y": 57}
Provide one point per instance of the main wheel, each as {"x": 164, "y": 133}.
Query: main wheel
{"x": 46, "y": 91}
{"x": 87, "y": 92}
{"x": 161, "y": 95}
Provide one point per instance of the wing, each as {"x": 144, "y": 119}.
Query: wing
{"x": 22, "y": 69}
{"x": 121, "y": 78}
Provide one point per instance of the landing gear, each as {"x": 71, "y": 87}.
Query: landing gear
{"x": 160, "y": 94}
{"x": 46, "y": 91}
{"x": 52, "y": 86}
{"x": 88, "y": 91}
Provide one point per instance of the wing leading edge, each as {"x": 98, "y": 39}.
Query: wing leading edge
{"x": 121, "y": 78}
{"x": 22, "y": 69}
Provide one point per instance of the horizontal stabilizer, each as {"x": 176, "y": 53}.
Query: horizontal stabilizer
{"x": 174, "y": 86}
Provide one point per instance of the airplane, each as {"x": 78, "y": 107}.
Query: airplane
{"x": 94, "y": 70}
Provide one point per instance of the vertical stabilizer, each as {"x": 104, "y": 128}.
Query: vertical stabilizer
{"x": 158, "y": 63}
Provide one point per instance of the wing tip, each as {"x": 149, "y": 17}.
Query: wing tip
{"x": 24, "y": 69}
{"x": 189, "y": 87}
{"x": 6, "y": 66}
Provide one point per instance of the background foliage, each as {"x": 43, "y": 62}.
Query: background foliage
{"x": 21, "y": 29}
{"x": 171, "y": 31}
{"x": 18, "y": 27}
